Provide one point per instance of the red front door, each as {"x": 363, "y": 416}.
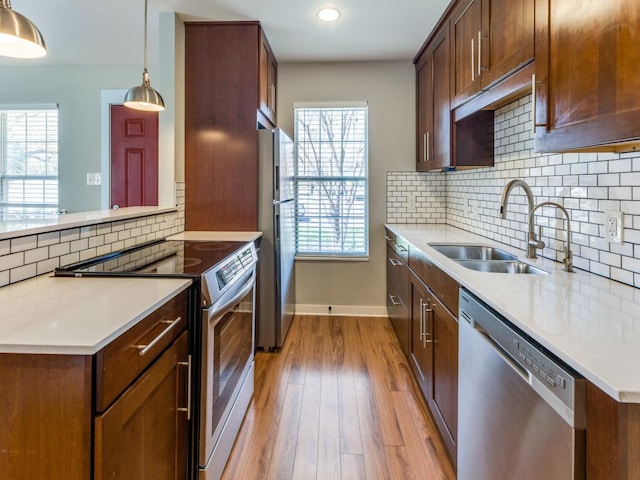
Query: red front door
{"x": 134, "y": 157}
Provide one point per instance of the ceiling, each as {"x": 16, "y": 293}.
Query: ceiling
{"x": 91, "y": 32}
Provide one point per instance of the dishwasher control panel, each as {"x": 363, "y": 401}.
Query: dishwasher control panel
{"x": 539, "y": 365}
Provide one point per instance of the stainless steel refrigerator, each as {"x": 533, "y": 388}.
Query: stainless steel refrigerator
{"x": 276, "y": 221}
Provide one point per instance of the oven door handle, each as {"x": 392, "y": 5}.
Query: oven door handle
{"x": 219, "y": 307}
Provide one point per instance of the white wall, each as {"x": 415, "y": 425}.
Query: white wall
{"x": 389, "y": 89}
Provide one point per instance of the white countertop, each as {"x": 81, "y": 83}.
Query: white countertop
{"x": 217, "y": 236}
{"x": 590, "y": 322}
{"x": 78, "y": 316}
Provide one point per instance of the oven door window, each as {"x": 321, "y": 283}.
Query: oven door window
{"x": 227, "y": 356}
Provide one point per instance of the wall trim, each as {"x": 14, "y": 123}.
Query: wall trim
{"x": 343, "y": 310}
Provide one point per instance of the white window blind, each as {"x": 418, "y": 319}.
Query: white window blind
{"x": 331, "y": 180}
{"x": 28, "y": 162}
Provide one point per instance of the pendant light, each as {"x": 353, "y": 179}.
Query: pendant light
{"x": 144, "y": 97}
{"x": 19, "y": 37}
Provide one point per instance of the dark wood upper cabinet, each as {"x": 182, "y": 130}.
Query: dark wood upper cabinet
{"x": 490, "y": 39}
{"x": 466, "y": 28}
{"x": 268, "y": 81}
{"x": 587, "y": 75}
{"x": 230, "y": 81}
{"x": 433, "y": 112}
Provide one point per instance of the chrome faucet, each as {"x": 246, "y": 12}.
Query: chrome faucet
{"x": 567, "y": 261}
{"x": 532, "y": 242}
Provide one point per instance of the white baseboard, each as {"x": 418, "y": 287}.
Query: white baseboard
{"x": 342, "y": 310}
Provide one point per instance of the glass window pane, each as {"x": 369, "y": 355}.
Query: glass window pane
{"x": 28, "y": 163}
{"x": 331, "y": 181}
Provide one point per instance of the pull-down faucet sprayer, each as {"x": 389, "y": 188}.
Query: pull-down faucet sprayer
{"x": 532, "y": 242}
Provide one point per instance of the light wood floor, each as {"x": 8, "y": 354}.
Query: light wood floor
{"x": 337, "y": 402}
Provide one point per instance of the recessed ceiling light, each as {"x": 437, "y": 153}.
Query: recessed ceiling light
{"x": 328, "y": 14}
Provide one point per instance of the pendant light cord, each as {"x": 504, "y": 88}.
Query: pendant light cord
{"x": 145, "y": 34}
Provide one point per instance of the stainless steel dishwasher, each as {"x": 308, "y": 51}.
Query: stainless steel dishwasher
{"x": 521, "y": 412}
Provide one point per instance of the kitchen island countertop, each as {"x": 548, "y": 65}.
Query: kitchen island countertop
{"x": 77, "y": 316}
{"x": 590, "y": 322}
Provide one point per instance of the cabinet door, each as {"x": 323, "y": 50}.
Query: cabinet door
{"x": 466, "y": 29}
{"x": 440, "y": 148}
{"x": 444, "y": 397}
{"x": 143, "y": 434}
{"x": 424, "y": 106}
{"x": 267, "y": 81}
{"x": 587, "y": 73}
{"x": 421, "y": 336}
{"x": 507, "y": 37}
{"x": 433, "y": 107}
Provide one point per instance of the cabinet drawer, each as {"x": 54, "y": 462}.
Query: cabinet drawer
{"x": 441, "y": 284}
{"x": 398, "y": 245}
{"x": 398, "y": 275}
{"x": 119, "y": 363}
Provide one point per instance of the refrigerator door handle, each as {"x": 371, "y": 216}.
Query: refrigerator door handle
{"x": 282, "y": 202}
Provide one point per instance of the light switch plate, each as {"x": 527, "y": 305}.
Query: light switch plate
{"x": 94, "y": 179}
{"x": 613, "y": 226}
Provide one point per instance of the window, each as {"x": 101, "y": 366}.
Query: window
{"x": 28, "y": 162}
{"x": 331, "y": 180}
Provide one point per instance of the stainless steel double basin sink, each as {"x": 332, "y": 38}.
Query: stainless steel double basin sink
{"x": 485, "y": 259}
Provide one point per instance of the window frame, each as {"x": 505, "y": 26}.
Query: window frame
{"x": 49, "y": 182}
{"x": 332, "y": 255}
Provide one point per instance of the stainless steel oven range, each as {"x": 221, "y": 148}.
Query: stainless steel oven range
{"x": 222, "y": 332}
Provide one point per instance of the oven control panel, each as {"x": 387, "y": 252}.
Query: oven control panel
{"x": 234, "y": 267}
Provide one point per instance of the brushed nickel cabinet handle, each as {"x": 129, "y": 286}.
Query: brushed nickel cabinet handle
{"x": 479, "y": 53}
{"x": 388, "y": 238}
{"x": 427, "y": 335}
{"x": 533, "y": 103}
{"x": 395, "y": 263}
{"x": 424, "y": 147}
{"x": 473, "y": 59}
{"x": 188, "y": 407}
{"x": 421, "y": 319}
{"x": 144, "y": 349}
{"x": 394, "y": 300}
{"x": 428, "y": 146}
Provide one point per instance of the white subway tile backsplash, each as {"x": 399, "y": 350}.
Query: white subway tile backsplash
{"x": 59, "y": 249}
{"x": 47, "y": 265}
{"x": 48, "y": 238}
{"x": 70, "y": 235}
{"x": 22, "y": 273}
{"x": 5, "y": 247}
{"x": 21, "y": 244}
{"x": 12, "y": 260}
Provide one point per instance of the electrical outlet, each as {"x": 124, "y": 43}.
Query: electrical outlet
{"x": 613, "y": 223}
{"x": 94, "y": 179}
{"x": 473, "y": 208}
{"x": 411, "y": 202}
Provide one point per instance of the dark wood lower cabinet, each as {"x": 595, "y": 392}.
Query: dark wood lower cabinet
{"x": 51, "y": 427}
{"x": 143, "y": 434}
{"x": 45, "y": 417}
{"x": 421, "y": 342}
{"x": 444, "y": 395}
{"x": 434, "y": 358}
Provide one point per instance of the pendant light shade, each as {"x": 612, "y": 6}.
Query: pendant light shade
{"x": 19, "y": 37}
{"x": 143, "y": 97}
